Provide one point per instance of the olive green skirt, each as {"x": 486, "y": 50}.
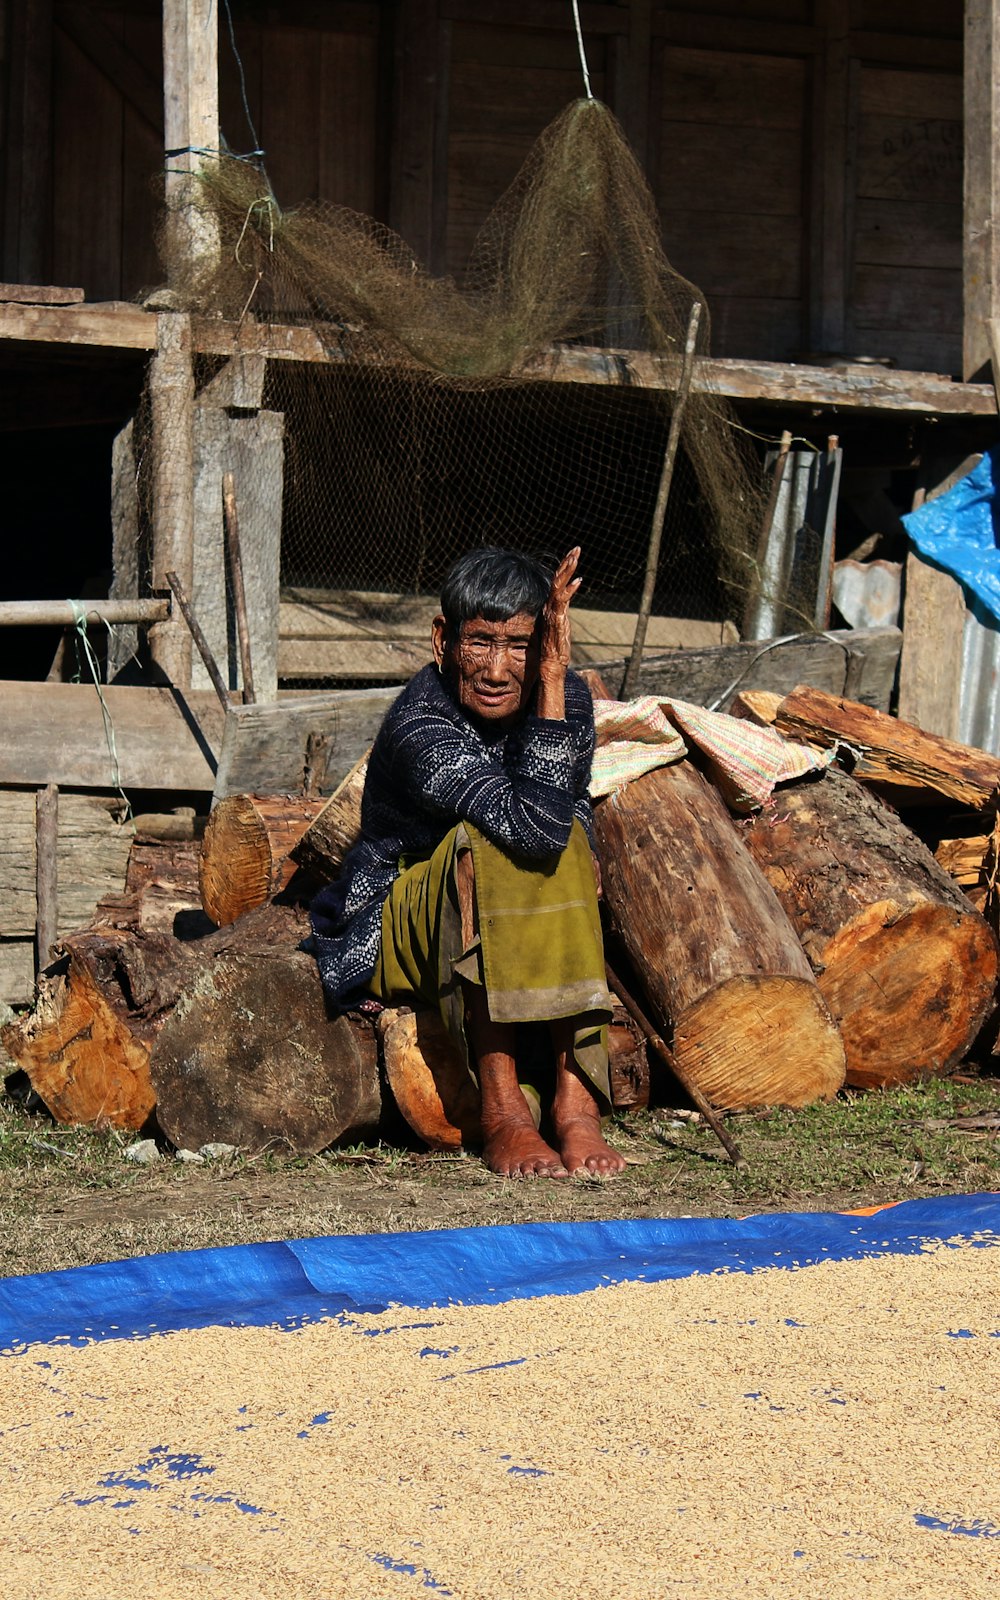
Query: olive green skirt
{"x": 538, "y": 949}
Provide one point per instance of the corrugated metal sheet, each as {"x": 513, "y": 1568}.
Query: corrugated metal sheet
{"x": 867, "y": 593}
{"x": 979, "y": 705}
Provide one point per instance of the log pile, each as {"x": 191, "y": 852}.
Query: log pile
{"x": 836, "y": 936}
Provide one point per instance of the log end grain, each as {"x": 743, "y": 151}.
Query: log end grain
{"x": 249, "y": 1057}
{"x": 910, "y": 989}
{"x": 429, "y": 1079}
{"x": 755, "y": 1042}
{"x": 81, "y": 1057}
{"x": 245, "y": 852}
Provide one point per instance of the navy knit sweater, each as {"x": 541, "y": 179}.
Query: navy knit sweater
{"x": 430, "y": 768}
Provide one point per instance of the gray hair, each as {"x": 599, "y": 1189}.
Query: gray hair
{"x": 495, "y": 584}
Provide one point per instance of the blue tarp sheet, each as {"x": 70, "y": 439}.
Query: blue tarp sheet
{"x": 960, "y": 531}
{"x": 289, "y": 1283}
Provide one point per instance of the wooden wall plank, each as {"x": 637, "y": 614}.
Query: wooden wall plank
{"x": 907, "y": 234}
{"x": 505, "y": 87}
{"x": 349, "y": 106}
{"x": 729, "y": 190}
{"x": 27, "y": 165}
{"x": 87, "y": 132}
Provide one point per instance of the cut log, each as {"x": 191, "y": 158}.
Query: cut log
{"x": 249, "y": 1057}
{"x": 717, "y": 955}
{"x": 336, "y": 826}
{"x": 87, "y": 1047}
{"x": 906, "y": 964}
{"x": 915, "y": 764}
{"x": 245, "y": 851}
{"x": 429, "y": 1080}
{"x": 439, "y": 1100}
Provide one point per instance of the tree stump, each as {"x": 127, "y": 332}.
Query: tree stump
{"x": 710, "y": 942}
{"x": 905, "y": 962}
{"x": 249, "y": 1057}
{"x": 245, "y": 852}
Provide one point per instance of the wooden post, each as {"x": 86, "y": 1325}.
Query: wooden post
{"x": 46, "y": 872}
{"x": 981, "y": 252}
{"x": 171, "y": 390}
{"x": 190, "y": 124}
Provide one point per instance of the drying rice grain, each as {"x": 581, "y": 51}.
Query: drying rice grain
{"x": 829, "y": 1431}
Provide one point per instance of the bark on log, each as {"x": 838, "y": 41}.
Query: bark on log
{"x": 437, "y": 1097}
{"x": 885, "y": 751}
{"x": 249, "y": 1057}
{"x": 91, "y": 1047}
{"x": 335, "y": 828}
{"x": 715, "y": 951}
{"x": 906, "y": 964}
{"x": 245, "y": 851}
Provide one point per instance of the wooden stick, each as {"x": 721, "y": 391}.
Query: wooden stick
{"x": 635, "y": 1011}
{"x": 231, "y": 520}
{"x": 46, "y": 872}
{"x": 67, "y": 613}
{"x": 660, "y": 509}
{"x": 211, "y": 665}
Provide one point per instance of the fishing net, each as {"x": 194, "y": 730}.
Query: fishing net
{"x": 527, "y": 405}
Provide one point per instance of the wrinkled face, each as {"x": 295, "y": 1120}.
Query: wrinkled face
{"x": 493, "y": 666}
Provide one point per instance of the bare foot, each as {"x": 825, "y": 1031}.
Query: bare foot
{"x": 518, "y": 1151}
{"x": 583, "y": 1147}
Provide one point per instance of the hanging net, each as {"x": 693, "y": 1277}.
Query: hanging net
{"x": 528, "y": 405}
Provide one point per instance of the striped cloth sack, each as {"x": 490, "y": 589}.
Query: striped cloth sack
{"x": 745, "y": 760}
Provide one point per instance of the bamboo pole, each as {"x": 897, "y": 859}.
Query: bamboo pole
{"x": 660, "y": 509}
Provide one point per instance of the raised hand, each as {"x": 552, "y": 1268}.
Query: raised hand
{"x": 556, "y": 640}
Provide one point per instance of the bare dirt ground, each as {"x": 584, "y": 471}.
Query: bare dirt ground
{"x": 69, "y": 1197}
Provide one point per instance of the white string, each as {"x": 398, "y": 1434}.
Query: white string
{"x": 583, "y": 53}
{"x": 80, "y": 617}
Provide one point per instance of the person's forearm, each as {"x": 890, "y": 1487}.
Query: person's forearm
{"x": 551, "y": 701}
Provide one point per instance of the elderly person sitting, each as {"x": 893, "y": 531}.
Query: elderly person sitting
{"x": 473, "y": 887}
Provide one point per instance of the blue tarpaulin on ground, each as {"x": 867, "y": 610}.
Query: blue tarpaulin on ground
{"x": 960, "y": 531}
{"x": 289, "y": 1283}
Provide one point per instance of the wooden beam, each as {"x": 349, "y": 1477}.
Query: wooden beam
{"x": 67, "y": 613}
{"x": 981, "y": 250}
{"x": 861, "y": 388}
{"x": 55, "y": 733}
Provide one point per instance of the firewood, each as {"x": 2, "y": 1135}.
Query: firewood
{"x": 906, "y": 964}
{"x": 429, "y": 1079}
{"x": 433, "y": 1090}
{"x": 883, "y": 750}
{"x": 755, "y": 705}
{"x": 245, "y": 852}
{"x": 708, "y": 938}
{"x": 337, "y": 826}
{"x": 250, "y": 1057}
{"x": 281, "y": 1079}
